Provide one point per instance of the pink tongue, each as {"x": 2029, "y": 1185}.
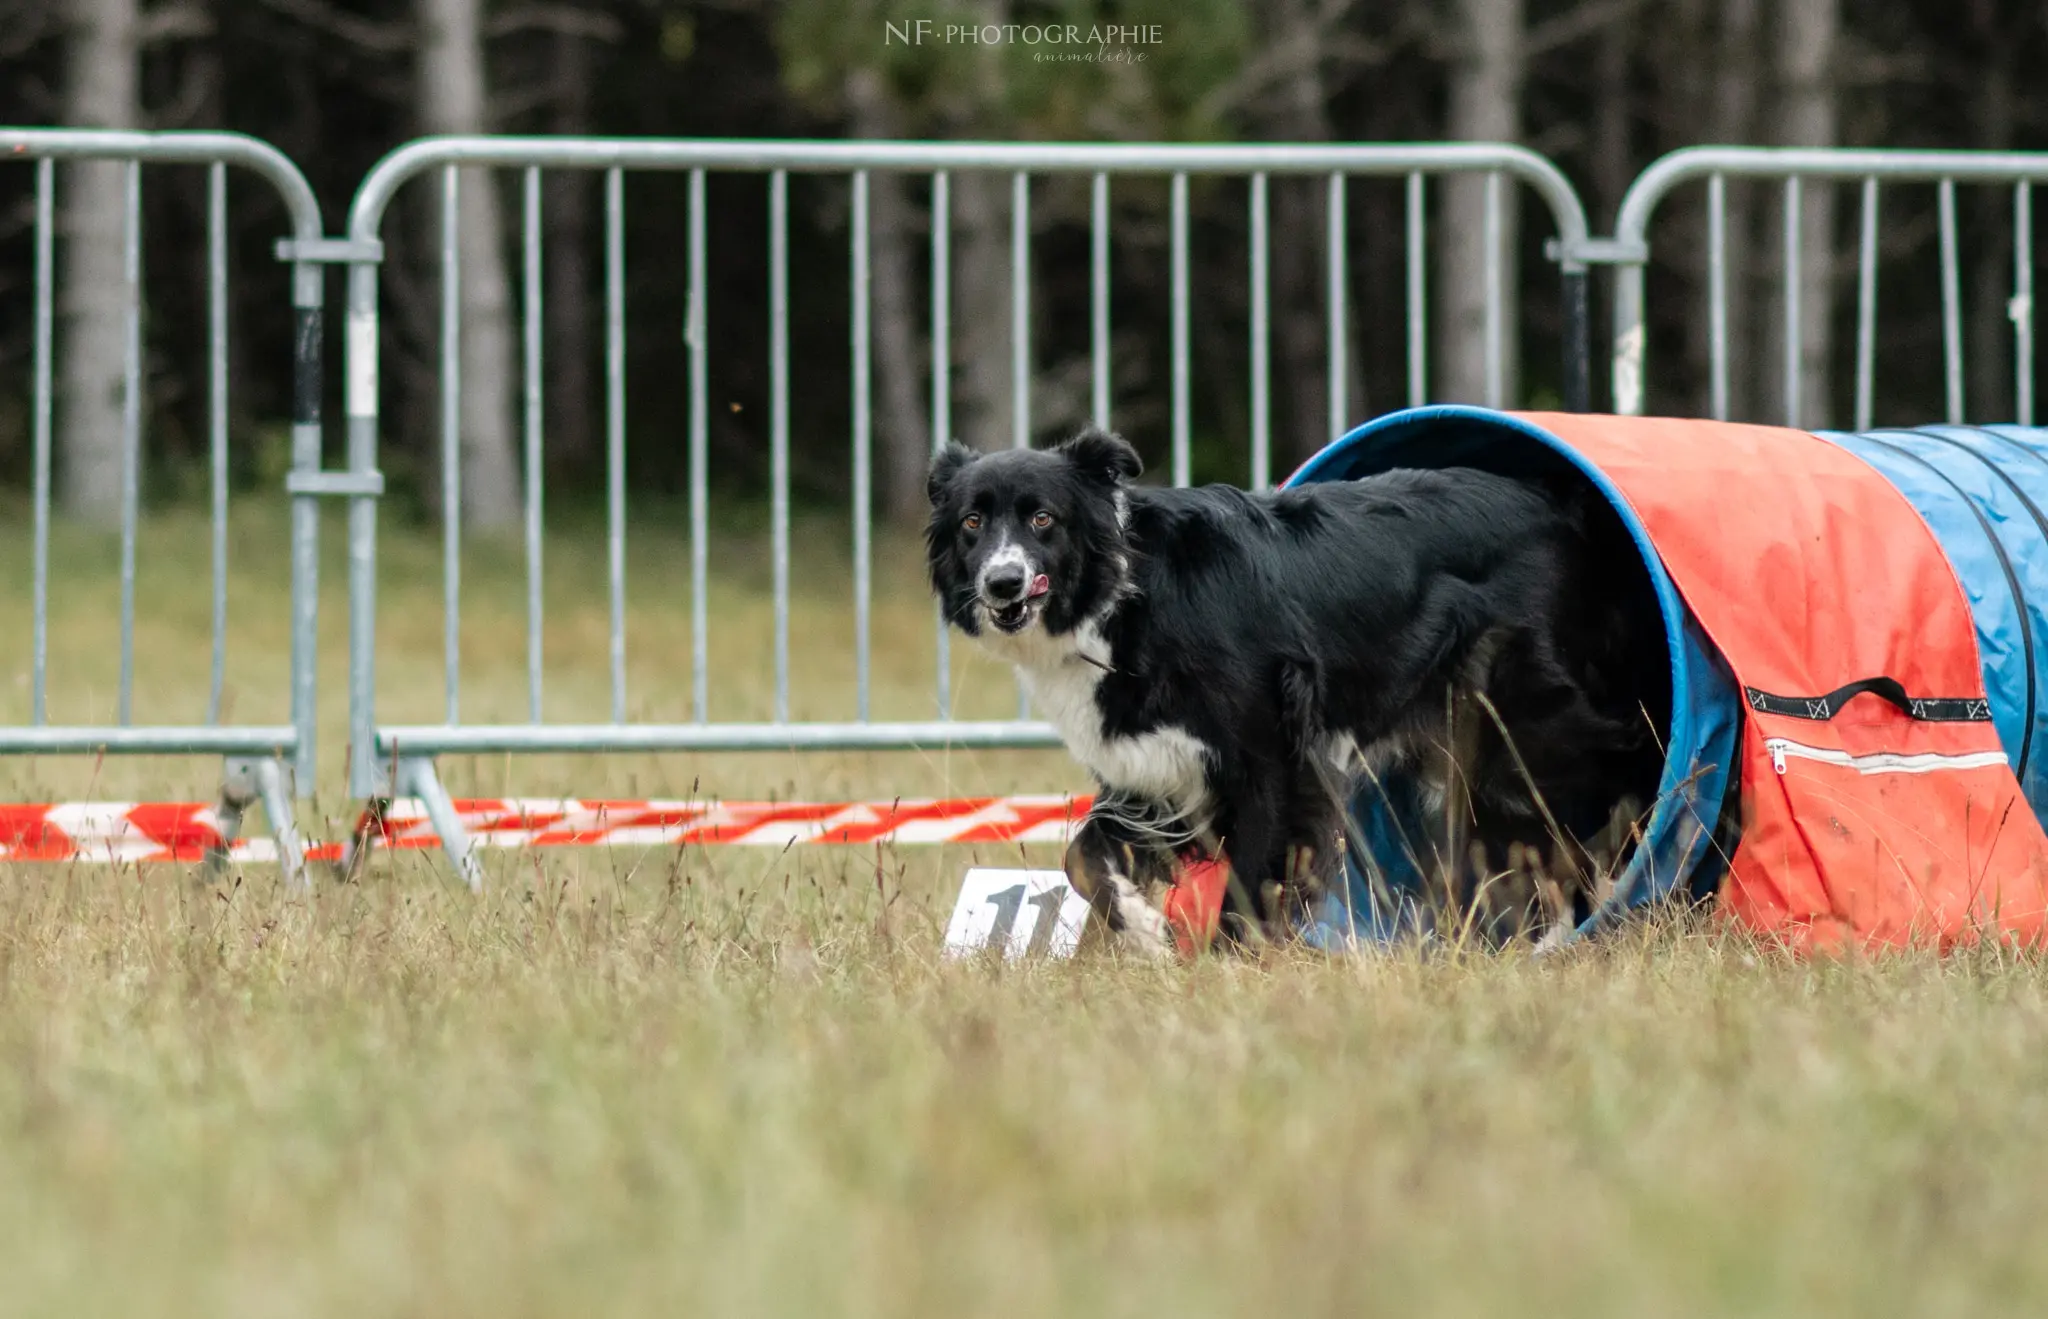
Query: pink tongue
{"x": 1039, "y": 586}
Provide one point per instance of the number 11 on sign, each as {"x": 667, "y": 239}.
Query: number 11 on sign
{"x": 1026, "y": 913}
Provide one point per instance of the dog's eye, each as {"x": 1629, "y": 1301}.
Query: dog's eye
{"x": 972, "y": 522}
{"x": 1041, "y": 520}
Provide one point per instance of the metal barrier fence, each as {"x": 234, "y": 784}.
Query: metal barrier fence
{"x": 263, "y": 763}
{"x": 1794, "y": 166}
{"x": 387, "y": 760}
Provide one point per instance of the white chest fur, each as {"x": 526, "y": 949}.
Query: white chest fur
{"x": 1162, "y": 764}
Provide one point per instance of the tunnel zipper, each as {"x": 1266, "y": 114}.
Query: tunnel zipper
{"x": 1881, "y": 762}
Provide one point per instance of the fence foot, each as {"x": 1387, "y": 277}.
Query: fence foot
{"x": 273, "y": 781}
{"x": 417, "y": 778}
{"x": 237, "y": 791}
{"x": 245, "y": 782}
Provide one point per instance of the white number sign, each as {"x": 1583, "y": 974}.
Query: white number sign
{"x": 1026, "y": 913}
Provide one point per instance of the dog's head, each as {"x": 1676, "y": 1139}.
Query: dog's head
{"x": 1029, "y": 537}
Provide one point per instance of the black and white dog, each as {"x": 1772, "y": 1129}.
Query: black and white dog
{"x": 1227, "y": 663}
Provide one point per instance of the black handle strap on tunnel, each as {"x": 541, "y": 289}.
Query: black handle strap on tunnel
{"x": 1931, "y": 709}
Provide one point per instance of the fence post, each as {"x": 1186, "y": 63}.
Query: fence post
{"x": 367, "y": 777}
{"x": 308, "y": 293}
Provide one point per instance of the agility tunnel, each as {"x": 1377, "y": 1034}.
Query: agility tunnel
{"x": 1856, "y": 632}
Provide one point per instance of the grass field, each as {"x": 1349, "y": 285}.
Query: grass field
{"x": 745, "y": 1083}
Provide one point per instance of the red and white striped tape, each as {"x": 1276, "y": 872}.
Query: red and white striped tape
{"x": 186, "y": 831}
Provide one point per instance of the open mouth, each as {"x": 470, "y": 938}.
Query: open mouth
{"x": 1012, "y": 618}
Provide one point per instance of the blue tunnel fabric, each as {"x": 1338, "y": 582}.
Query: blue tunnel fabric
{"x": 1981, "y": 490}
{"x": 1378, "y": 903}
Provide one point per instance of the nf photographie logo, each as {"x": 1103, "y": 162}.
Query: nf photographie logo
{"x": 1097, "y": 43}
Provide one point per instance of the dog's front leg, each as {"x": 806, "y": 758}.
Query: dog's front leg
{"x": 1112, "y": 865}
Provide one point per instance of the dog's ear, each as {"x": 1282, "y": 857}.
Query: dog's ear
{"x": 1105, "y": 457}
{"x": 946, "y": 465}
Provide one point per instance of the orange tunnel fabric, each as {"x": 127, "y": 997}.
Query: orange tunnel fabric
{"x": 1865, "y": 819}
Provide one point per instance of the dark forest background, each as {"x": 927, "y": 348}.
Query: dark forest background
{"x": 1601, "y": 86}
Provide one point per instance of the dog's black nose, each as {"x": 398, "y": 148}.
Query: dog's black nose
{"x": 1006, "y": 585}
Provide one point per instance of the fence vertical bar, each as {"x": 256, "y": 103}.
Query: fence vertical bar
{"x": 615, "y": 424}
{"x": 942, "y": 389}
{"x": 1098, "y": 294}
{"x": 1793, "y": 334}
{"x": 367, "y": 777}
{"x": 862, "y": 442}
{"x": 778, "y": 408}
{"x": 1020, "y": 338}
{"x": 1182, "y": 458}
{"x": 1717, "y": 296}
{"x": 1020, "y": 310}
{"x": 700, "y": 448}
{"x": 533, "y": 327}
{"x": 1496, "y": 390}
{"x": 217, "y": 418}
{"x": 1866, "y": 308}
{"x": 46, "y": 228}
{"x": 1418, "y": 294}
{"x": 131, "y": 428}
{"x": 2022, "y": 309}
{"x": 309, "y": 296}
{"x": 451, "y": 441}
{"x": 1262, "y": 410}
{"x": 1951, "y": 304}
{"x": 1338, "y": 313}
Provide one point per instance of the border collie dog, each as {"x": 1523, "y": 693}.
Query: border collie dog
{"x": 1228, "y": 664}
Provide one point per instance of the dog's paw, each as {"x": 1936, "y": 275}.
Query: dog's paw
{"x": 1139, "y": 926}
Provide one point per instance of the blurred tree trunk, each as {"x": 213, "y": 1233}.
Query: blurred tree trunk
{"x": 450, "y": 70}
{"x": 902, "y": 438}
{"x": 980, "y": 267}
{"x": 1301, "y": 423}
{"x": 1485, "y": 106}
{"x": 1804, "y": 46}
{"x": 1725, "y": 97}
{"x": 1613, "y": 161}
{"x": 1298, "y": 111}
{"x": 100, "y": 91}
{"x": 981, "y": 308}
{"x": 575, "y": 336}
{"x": 979, "y": 261}
{"x": 1989, "y": 355}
